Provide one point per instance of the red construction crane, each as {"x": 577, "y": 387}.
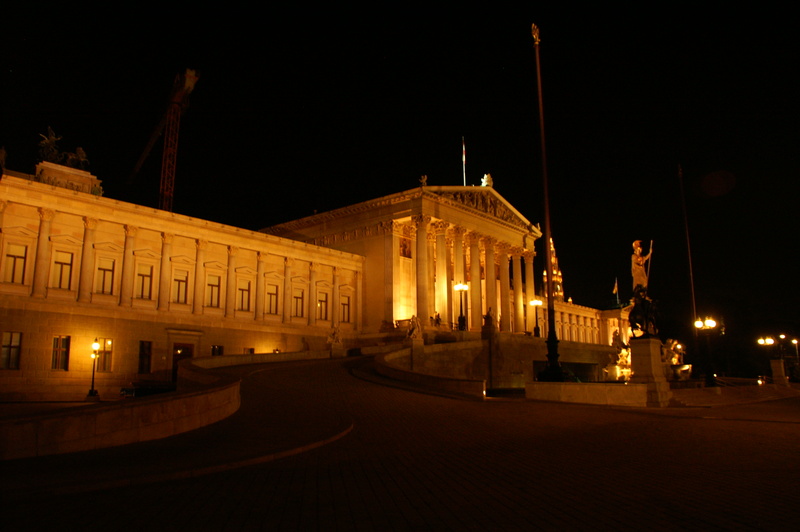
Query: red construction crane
{"x": 170, "y": 123}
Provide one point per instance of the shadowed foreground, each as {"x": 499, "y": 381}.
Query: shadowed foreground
{"x": 318, "y": 446}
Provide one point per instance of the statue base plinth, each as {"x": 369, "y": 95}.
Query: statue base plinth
{"x": 649, "y": 369}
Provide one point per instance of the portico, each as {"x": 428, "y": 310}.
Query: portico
{"x": 420, "y": 243}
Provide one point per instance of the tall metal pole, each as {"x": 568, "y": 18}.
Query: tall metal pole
{"x": 695, "y": 346}
{"x": 553, "y": 372}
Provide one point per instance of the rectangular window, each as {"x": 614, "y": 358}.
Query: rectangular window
{"x": 212, "y": 294}
{"x": 322, "y": 306}
{"x": 15, "y": 264}
{"x": 344, "y": 315}
{"x": 12, "y": 344}
{"x": 272, "y": 299}
{"x": 243, "y": 302}
{"x": 104, "y": 355}
{"x": 145, "y": 356}
{"x": 216, "y": 350}
{"x": 105, "y": 276}
{"x": 144, "y": 281}
{"x": 180, "y": 286}
{"x": 297, "y": 303}
{"x": 60, "y": 359}
{"x": 62, "y": 270}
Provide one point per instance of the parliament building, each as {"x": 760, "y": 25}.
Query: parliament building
{"x": 153, "y": 287}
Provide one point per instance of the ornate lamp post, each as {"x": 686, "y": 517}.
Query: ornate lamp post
{"x": 536, "y": 303}
{"x": 462, "y": 320}
{"x": 707, "y": 327}
{"x": 95, "y": 349}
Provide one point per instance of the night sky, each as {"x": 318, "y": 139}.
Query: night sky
{"x": 302, "y": 112}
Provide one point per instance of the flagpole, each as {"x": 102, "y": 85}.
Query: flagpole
{"x": 553, "y": 372}
{"x": 464, "y": 159}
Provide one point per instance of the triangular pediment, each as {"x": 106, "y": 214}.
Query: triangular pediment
{"x": 485, "y": 200}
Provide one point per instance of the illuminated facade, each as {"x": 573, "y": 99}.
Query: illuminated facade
{"x": 153, "y": 287}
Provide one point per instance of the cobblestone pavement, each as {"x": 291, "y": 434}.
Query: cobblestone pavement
{"x": 314, "y": 447}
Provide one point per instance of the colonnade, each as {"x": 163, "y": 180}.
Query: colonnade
{"x": 121, "y": 290}
{"x": 492, "y": 269}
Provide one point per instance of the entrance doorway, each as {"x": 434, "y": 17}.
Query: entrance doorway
{"x": 180, "y": 352}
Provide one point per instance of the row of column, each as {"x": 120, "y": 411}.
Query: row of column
{"x": 450, "y": 270}
{"x": 86, "y": 274}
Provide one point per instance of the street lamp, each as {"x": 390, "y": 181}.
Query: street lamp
{"x": 462, "y": 320}
{"x": 536, "y": 303}
{"x": 707, "y": 327}
{"x": 95, "y": 349}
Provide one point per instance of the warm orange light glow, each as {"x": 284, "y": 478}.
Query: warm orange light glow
{"x": 460, "y": 287}
{"x": 536, "y": 302}
{"x": 96, "y": 345}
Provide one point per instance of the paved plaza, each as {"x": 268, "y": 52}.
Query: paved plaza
{"x": 326, "y": 445}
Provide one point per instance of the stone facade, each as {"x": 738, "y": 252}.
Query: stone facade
{"x": 153, "y": 286}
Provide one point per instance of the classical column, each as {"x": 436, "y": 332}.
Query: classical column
{"x": 288, "y": 263}
{"x": 336, "y": 303}
{"x": 475, "y": 282}
{"x": 442, "y": 281}
{"x": 128, "y": 265}
{"x": 41, "y": 268}
{"x": 199, "y": 276}
{"x": 358, "y": 283}
{"x": 459, "y": 273}
{"x": 519, "y": 296}
{"x": 422, "y": 221}
{"x": 87, "y": 260}
{"x": 490, "y": 276}
{"x": 530, "y": 290}
{"x": 230, "y": 292}
{"x": 312, "y": 293}
{"x": 164, "y": 280}
{"x": 504, "y": 316}
{"x": 259, "y": 314}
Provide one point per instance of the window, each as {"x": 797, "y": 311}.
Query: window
{"x": 15, "y": 264}
{"x": 144, "y": 281}
{"x": 104, "y": 355}
{"x": 272, "y": 299}
{"x": 344, "y": 315}
{"x": 9, "y": 358}
{"x": 180, "y": 285}
{"x": 145, "y": 356}
{"x": 60, "y": 358}
{"x": 105, "y": 276}
{"x": 212, "y": 295}
{"x": 322, "y": 306}
{"x": 62, "y": 270}
{"x": 216, "y": 350}
{"x": 297, "y": 303}
{"x": 243, "y": 301}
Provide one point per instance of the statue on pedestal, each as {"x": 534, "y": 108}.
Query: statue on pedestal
{"x": 643, "y": 314}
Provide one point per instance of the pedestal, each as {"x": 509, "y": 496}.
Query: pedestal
{"x": 779, "y": 372}
{"x": 338, "y": 351}
{"x": 649, "y": 369}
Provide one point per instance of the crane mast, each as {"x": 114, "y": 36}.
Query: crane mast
{"x": 179, "y": 100}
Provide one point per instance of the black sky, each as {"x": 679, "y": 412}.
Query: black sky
{"x": 296, "y": 112}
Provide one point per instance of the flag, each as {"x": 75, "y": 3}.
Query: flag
{"x": 616, "y": 287}
{"x": 464, "y": 160}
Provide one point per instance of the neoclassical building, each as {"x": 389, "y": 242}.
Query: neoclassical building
{"x": 151, "y": 286}
{"x": 420, "y": 244}
{"x": 154, "y": 287}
